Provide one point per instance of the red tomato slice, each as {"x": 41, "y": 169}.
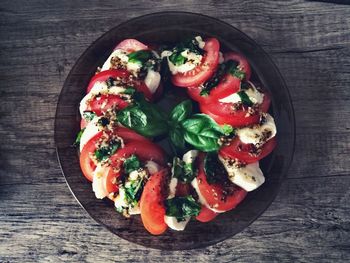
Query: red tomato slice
{"x": 223, "y": 113}
{"x": 106, "y": 74}
{"x": 202, "y": 72}
{"x": 218, "y": 196}
{"x": 236, "y": 118}
{"x": 131, "y": 45}
{"x": 145, "y": 150}
{"x": 242, "y": 63}
{"x": 206, "y": 214}
{"x": 129, "y": 135}
{"x": 194, "y": 93}
{"x": 152, "y": 203}
{"x": 86, "y": 163}
{"x": 240, "y": 151}
{"x": 101, "y": 104}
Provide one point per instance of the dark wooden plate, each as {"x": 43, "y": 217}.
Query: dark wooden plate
{"x": 172, "y": 27}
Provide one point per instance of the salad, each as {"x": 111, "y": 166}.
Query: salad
{"x": 216, "y": 149}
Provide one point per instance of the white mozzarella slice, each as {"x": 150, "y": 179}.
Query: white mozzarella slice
{"x": 190, "y": 156}
{"x": 174, "y": 224}
{"x": 152, "y": 80}
{"x": 134, "y": 210}
{"x": 254, "y": 95}
{"x": 233, "y": 98}
{"x": 152, "y": 167}
{"x": 121, "y": 54}
{"x": 249, "y": 177}
{"x": 257, "y": 133}
{"x": 172, "y": 187}
{"x": 120, "y": 201}
{"x": 99, "y": 182}
{"x": 90, "y": 131}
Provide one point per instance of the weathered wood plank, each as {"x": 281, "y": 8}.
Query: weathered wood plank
{"x": 50, "y": 225}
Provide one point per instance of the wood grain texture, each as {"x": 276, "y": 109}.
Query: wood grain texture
{"x": 41, "y": 221}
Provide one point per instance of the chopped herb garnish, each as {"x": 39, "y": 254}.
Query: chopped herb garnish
{"x": 132, "y": 191}
{"x": 191, "y": 45}
{"x": 214, "y": 170}
{"x": 232, "y": 68}
{"x": 103, "y": 121}
{"x": 185, "y": 172}
{"x": 131, "y": 164}
{"x": 89, "y": 115}
{"x": 77, "y": 140}
{"x": 182, "y": 207}
{"x": 110, "y": 82}
{"x": 177, "y": 59}
{"x": 104, "y": 152}
{"x": 245, "y": 98}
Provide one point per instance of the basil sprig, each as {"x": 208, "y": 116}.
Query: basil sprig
{"x": 182, "y": 207}
{"x": 202, "y": 132}
{"x": 198, "y": 130}
{"x": 181, "y": 112}
{"x": 143, "y": 117}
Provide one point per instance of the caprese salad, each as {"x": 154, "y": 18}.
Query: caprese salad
{"x": 216, "y": 151}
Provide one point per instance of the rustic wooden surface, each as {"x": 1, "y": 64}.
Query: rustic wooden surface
{"x": 40, "y": 221}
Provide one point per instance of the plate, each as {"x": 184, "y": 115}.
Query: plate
{"x": 172, "y": 27}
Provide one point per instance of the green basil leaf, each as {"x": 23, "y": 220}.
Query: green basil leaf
{"x": 177, "y": 138}
{"x": 140, "y": 56}
{"x": 214, "y": 170}
{"x": 77, "y": 139}
{"x": 144, "y": 117}
{"x": 181, "y": 111}
{"x": 131, "y": 164}
{"x": 89, "y": 115}
{"x": 245, "y": 98}
{"x": 104, "y": 152}
{"x": 202, "y": 132}
{"x": 182, "y": 207}
{"x": 132, "y": 116}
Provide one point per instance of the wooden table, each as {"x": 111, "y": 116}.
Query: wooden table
{"x": 40, "y": 220}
